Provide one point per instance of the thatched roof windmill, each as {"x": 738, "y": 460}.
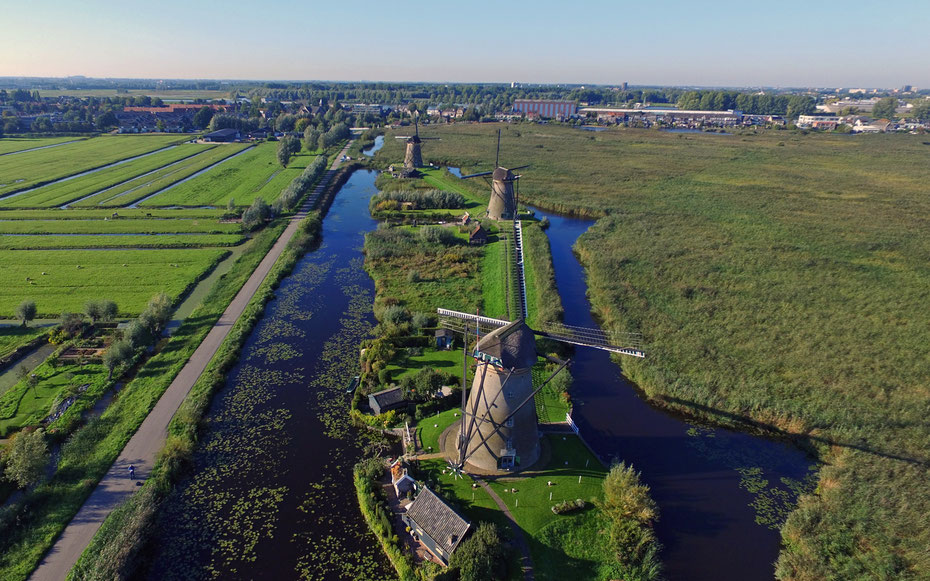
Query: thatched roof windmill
{"x": 499, "y": 430}
{"x": 413, "y": 157}
{"x": 503, "y": 204}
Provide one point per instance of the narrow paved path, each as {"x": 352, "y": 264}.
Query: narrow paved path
{"x": 140, "y": 452}
{"x": 526, "y": 561}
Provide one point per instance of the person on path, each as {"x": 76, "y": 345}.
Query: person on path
{"x": 132, "y": 472}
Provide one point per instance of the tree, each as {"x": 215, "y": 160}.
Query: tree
{"x": 311, "y": 138}
{"x": 284, "y": 152}
{"x": 119, "y": 353}
{"x": 231, "y": 206}
{"x": 27, "y": 458}
{"x": 26, "y": 311}
{"x": 71, "y": 323}
{"x": 93, "y": 310}
{"x": 480, "y": 556}
{"x": 922, "y": 111}
{"x": 203, "y": 117}
{"x": 108, "y": 310}
{"x": 885, "y": 108}
{"x": 256, "y": 214}
{"x": 136, "y": 334}
{"x": 301, "y": 124}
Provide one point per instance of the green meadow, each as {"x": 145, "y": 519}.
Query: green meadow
{"x": 780, "y": 281}
{"x": 254, "y": 174}
{"x": 11, "y": 144}
{"x": 33, "y": 168}
{"x": 71, "y": 277}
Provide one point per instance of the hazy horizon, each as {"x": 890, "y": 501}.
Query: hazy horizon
{"x": 667, "y": 43}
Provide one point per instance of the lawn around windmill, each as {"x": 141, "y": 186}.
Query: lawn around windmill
{"x": 424, "y": 256}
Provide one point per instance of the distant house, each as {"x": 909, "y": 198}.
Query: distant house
{"x": 400, "y": 480}
{"x": 444, "y": 339}
{"x": 386, "y": 400}
{"x": 222, "y": 136}
{"x": 434, "y": 523}
{"x": 478, "y": 236}
{"x": 465, "y": 219}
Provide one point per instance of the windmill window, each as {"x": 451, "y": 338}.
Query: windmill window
{"x": 509, "y": 422}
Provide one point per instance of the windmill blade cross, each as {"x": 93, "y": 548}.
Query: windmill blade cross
{"x": 623, "y": 343}
{"x": 477, "y": 175}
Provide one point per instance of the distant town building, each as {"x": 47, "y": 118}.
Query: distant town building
{"x": 222, "y": 136}
{"x": 546, "y": 109}
{"x": 827, "y": 122}
{"x": 434, "y": 523}
{"x": 654, "y": 114}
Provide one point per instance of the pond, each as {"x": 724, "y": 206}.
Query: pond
{"x": 271, "y": 495}
{"x": 720, "y": 493}
{"x": 371, "y": 151}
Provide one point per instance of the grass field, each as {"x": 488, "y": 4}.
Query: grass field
{"x": 62, "y": 192}
{"x": 101, "y": 214}
{"x": 780, "y": 282}
{"x": 12, "y": 338}
{"x": 128, "y": 277}
{"x": 133, "y": 190}
{"x": 33, "y": 168}
{"x": 40, "y": 241}
{"x": 254, "y": 174}
{"x": 125, "y": 226}
{"x": 11, "y": 144}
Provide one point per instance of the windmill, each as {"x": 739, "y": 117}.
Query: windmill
{"x": 413, "y": 157}
{"x": 503, "y": 204}
{"x": 499, "y": 430}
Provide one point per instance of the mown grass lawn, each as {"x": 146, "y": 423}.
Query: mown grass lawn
{"x": 429, "y": 429}
{"x": 127, "y": 226}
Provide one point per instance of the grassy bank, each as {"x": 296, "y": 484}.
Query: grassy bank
{"x": 779, "y": 280}
{"x": 31, "y": 525}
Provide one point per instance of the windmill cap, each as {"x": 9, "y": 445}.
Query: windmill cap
{"x": 514, "y": 345}
{"x": 502, "y": 173}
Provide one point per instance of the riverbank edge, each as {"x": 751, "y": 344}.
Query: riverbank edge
{"x": 124, "y": 534}
{"x": 370, "y": 507}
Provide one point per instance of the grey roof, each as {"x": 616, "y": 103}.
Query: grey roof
{"x": 513, "y": 345}
{"x": 222, "y": 133}
{"x": 502, "y": 174}
{"x": 388, "y": 397}
{"x": 438, "y": 520}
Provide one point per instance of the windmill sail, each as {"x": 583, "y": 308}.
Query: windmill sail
{"x": 623, "y": 343}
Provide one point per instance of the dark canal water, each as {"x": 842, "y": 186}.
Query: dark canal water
{"x": 711, "y": 485}
{"x": 271, "y": 496}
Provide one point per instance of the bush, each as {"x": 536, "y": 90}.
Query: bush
{"x": 256, "y": 214}
{"x": 481, "y": 556}
{"x": 568, "y": 506}
{"x": 418, "y": 199}
{"x": 438, "y": 235}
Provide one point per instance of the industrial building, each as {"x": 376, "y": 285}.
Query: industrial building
{"x": 545, "y": 109}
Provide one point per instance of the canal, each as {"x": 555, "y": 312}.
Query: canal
{"x": 721, "y": 494}
{"x": 271, "y": 495}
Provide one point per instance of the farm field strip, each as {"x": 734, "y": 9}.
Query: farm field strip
{"x": 251, "y": 175}
{"x": 88, "y": 214}
{"x": 155, "y": 181}
{"x": 70, "y": 189}
{"x": 116, "y": 240}
{"x": 17, "y": 145}
{"x": 34, "y": 168}
{"x": 118, "y": 227}
{"x": 124, "y": 276}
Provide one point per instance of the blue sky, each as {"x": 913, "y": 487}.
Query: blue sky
{"x": 659, "y": 42}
